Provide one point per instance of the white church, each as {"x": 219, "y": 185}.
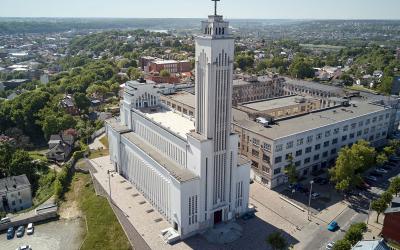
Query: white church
{"x": 187, "y": 167}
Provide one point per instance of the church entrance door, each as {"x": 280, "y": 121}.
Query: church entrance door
{"x": 217, "y": 216}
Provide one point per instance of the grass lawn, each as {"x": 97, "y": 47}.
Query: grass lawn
{"x": 104, "y": 230}
{"x": 104, "y": 140}
{"x": 98, "y": 153}
{"x": 361, "y": 88}
{"x": 38, "y": 154}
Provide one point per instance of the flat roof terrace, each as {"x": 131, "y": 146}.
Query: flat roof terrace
{"x": 175, "y": 122}
{"x": 305, "y": 122}
{"x": 273, "y": 103}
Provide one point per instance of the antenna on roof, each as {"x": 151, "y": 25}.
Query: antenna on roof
{"x": 215, "y": 6}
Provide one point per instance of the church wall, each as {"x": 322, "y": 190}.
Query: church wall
{"x": 113, "y": 141}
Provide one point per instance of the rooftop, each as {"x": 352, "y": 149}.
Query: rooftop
{"x": 117, "y": 126}
{"x": 183, "y": 97}
{"x": 370, "y": 245}
{"x": 179, "y": 173}
{"x": 14, "y": 183}
{"x": 274, "y": 103}
{"x": 315, "y": 85}
{"x": 176, "y": 123}
{"x": 305, "y": 122}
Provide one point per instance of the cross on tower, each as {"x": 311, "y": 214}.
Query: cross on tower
{"x": 215, "y": 6}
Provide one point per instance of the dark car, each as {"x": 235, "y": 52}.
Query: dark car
{"x": 376, "y": 174}
{"x": 10, "y": 233}
{"x": 20, "y": 231}
{"x": 248, "y": 216}
{"x": 387, "y": 167}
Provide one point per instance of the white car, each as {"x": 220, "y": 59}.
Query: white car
{"x": 5, "y": 220}
{"x": 25, "y": 247}
{"x": 381, "y": 170}
{"x": 371, "y": 178}
{"x": 314, "y": 195}
{"x": 30, "y": 229}
{"x": 330, "y": 245}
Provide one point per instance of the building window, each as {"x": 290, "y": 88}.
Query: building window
{"x": 265, "y": 169}
{"x": 387, "y": 116}
{"x": 288, "y": 156}
{"x": 308, "y": 150}
{"x": 299, "y": 152}
{"x": 254, "y": 164}
{"x": 325, "y": 154}
{"x": 277, "y": 170}
{"x": 366, "y": 131}
{"x": 373, "y": 129}
{"x": 317, "y": 147}
{"x": 297, "y": 163}
{"x": 326, "y": 144}
{"x": 353, "y": 125}
{"x": 309, "y": 139}
{"x": 359, "y": 133}
{"x": 371, "y": 138}
{"x": 256, "y": 142}
{"x": 336, "y": 131}
{"x": 367, "y": 121}
{"x": 266, "y": 158}
{"x": 345, "y": 128}
{"x": 307, "y": 160}
{"x": 278, "y": 159}
{"x": 316, "y": 157}
{"x": 319, "y": 136}
{"x": 255, "y": 152}
{"x": 334, "y": 141}
{"x": 267, "y": 147}
{"x": 289, "y": 145}
{"x": 299, "y": 142}
{"x": 374, "y": 119}
{"x": 327, "y": 133}
{"x": 333, "y": 151}
{"x": 344, "y": 137}
{"x": 279, "y": 148}
{"x": 351, "y": 136}
{"x": 360, "y": 124}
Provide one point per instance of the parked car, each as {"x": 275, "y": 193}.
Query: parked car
{"x": 320, "y": 180}
{"x": 10, "y": 233}
{"x": 25, "y": 247}
{"x": 376, "y": 174}
{"x": 314, "y": 195}
{"x": 387, "y": 167}
{"x": 20, "y": 231}
{"x": 333, "y": 226}
{"x": 30, "y": 229}
{"x": 248, "y": 216}
{"x": 381, "y": 170}
{"x": 371, "y": 178}
{"x": 5, "y": 220}
{"x": 330, "y": 245}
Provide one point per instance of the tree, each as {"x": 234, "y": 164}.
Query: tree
{"x": 81, "y": 101}
{"x": 355, "y": 233}
{"x": 301, "y": 69}
{"x": 22, "y": 163}
{"x": 134, "y": 73}
{"x": 290, "y": 171}
{"x": 379, "y": 206}
{"x": 165, "y": 73}
{"x": 386, "y": 85}
{"x": 387, "y": 196}
{"x": 277, "y": 241}
{"x": 245, "y": 61}
{"x": 97, "y": 90}
{"x": 347, "y": 79}
{"x": 389, "y": 150}
{"x": 381, "y": 159}
{"x": 394, "y": 186}
{"x": 342, "y": 245}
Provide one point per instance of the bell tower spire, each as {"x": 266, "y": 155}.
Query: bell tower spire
{"x": 215, "y": 6}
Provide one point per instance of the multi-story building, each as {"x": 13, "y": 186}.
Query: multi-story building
{"x": 15, "y": 193}
{"x": 188, "y": 169}
{"x": 172, "y": 66}
{"x": 252, "y": 89}
{"x": 313, "y": 139}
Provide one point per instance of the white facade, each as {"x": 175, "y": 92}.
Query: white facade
{"x": 188, "y": 169}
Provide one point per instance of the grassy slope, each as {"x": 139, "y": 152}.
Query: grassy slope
{"x": 104, "y": 230}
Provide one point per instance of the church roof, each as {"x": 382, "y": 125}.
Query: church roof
{"x": 178, "y": 172}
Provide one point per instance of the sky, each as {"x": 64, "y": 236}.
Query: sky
{"x": 232, "y": 9}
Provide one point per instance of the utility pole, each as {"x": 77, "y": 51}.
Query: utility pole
{"x": 369, "y": 211}
{"x": 309, "y": 201}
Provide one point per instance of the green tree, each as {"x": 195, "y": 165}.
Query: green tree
{"x": 98, "y": 91}
{"x": 379, "y": 206}
{"x": 394, "y": 186}
{"x": 342, "y": 245}
{"x": 22, "y": 163}
{"x": 301, "y": 69}
{"x": 386, "y": 85}
{"x": 389, "y": 150}
{"x": 81, "y": 101}
{"x": 244, "y": 61}
{"x": 347, "y": 79}
{"x": 387, "y": 196}
{"x": 355, "y": 233}
{"x": 381, "y": 159}
{"x": 134, "y": 73}
{"x": 6, "y": 156}
{"x": 164, "y": 73}
{"x": 290, "y": 171}
{"x": 276, "y": 241}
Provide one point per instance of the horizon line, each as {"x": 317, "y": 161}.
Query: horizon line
{"x": 196, "y": 18}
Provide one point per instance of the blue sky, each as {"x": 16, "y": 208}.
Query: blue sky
{"x": 265, "y": 9}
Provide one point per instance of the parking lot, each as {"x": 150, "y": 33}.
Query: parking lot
{"x": 54, "y": 235}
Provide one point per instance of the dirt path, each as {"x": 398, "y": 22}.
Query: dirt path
{"x": 69, "y": 209}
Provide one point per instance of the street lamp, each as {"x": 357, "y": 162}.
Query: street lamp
{"x": 109, "y": 184}
{"x": 309, "y": 200}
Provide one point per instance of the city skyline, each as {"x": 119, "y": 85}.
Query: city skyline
{"x": 234, "y": 9}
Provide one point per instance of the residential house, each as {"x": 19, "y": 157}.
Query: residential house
{"x": 371, "y": 245}
{"x": 68, "y": 104}
{"x": 15, "y": 193}
{"x": 60, "y": 147}
{"x": 391, "y": 223}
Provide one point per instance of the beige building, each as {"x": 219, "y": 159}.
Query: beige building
{"x": 280, "y": 107}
